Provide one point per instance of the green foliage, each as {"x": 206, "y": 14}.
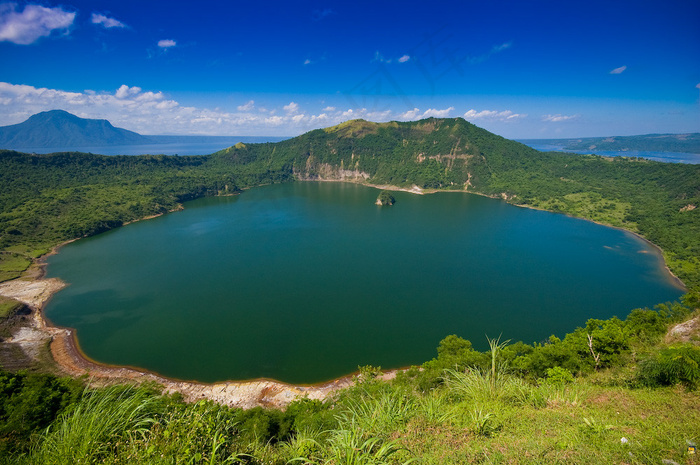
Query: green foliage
{"x": 47, "y": 199}
{"x": 29, "y": 403}
{"x": 11, "y": 264}
{"x": 559, "y": 376}
{"x": 454, "y": 353}
{"x": 385, "y": 198}
{"x": 93, "y": 428}
{"x": 672, "y": 366}
{"x": 8, "y": 307}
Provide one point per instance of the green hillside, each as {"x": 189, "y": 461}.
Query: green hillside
{"x": 611, "y": 391}
{"x": 47, "y": 199}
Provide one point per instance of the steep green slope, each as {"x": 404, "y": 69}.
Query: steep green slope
{"x": 657, "y": 200}
{"x": 46, "y": 199}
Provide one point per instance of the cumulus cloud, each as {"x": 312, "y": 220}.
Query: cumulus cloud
{"x": 558, "y": 118}
{"x": 125, "y": 91}
{"x": 106, "y": 21}
{"x": 166, "y": 43}
{"x": 410, "y": 114}
{"x": 493, "y": 115}
{"x": 153, "y": 112}
{"x": 248, "y": 106}
{"x": 619, "y": 70}
{"x": 404, "y": 59}
{"x": 291, "y": 108}
{"x": 432, "y": 112}
{"x": 32, "y": 23}
{"x": 416, "y": 114}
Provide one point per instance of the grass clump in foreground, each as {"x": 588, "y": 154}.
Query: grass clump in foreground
{"x": 625, "y": 402}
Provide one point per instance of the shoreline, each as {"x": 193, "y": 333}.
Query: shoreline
{"x": 35, "y": 291}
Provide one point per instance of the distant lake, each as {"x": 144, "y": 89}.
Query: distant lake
{"x": 162, "y": 145}
{"x": 303, "y": 282}
{"x": 667, "y": 157}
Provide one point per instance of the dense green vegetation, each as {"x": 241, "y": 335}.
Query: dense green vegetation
{"x": 47, "y": 199}
{"x": 385, "y": 198}
{"x": 687, "y": 143}
{"x": 582, "y": 395}
{"x": 609, "y": 392}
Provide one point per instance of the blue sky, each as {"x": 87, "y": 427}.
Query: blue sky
{"x": 522, "y": 69}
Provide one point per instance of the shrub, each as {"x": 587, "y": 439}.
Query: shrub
{"x": 672, "y": 366}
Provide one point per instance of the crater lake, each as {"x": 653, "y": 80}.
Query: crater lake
{"x": 304, "y": 282}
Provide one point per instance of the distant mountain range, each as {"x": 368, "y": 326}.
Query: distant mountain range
{"x": 58, "y": 128}
{"x": 686, "y": 143}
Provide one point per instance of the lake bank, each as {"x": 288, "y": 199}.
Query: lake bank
{"x": 129, "y": 309}
{"x": 68, "y": 355}
{"x": 65, "y": 352}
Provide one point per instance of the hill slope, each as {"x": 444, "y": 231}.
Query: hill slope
{"x": 46, "y": 199}
{"x": 60, "y": 128}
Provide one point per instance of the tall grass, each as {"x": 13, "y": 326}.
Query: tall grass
{"x": 97, "y": 425}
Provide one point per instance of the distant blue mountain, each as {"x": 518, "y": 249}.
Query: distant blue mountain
{"x": 57, "y": 128}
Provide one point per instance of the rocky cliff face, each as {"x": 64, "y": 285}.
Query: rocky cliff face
{"x": 314, "y": 171}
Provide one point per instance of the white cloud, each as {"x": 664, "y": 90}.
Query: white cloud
{"x": 558, "y": 118}
{"x": 106, "y": 21}
{"x": 248, "y": 106}
{"x": 154, "y": 112}
{"x": 167, "y": 43}
{"x": 291, "y": 108}
{"x": 493, "y": 115}
{"x": 410, "y": 114}
{"x": 698, "y": 86}
{"x": 307, "y": 62}
{"x": 619, "y": 70}
{"x": 32, "y": 23}
{"x": 379, "y": 58}
{"x": 432, "y": 112}
{"x": 125, "y": 91}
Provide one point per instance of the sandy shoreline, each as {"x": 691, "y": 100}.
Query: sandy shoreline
{"x": 36, "y": 291}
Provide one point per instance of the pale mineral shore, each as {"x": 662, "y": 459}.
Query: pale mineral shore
{"x": 64, "y": 350}
{"x": 36, "y": 291}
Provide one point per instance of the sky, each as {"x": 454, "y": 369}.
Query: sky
{"x": 522, "y": 69}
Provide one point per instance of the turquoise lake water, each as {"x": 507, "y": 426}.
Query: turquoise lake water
{"x": 303, "y": 282}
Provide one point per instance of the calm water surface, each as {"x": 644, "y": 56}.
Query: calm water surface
{"x": 303, "y": 282}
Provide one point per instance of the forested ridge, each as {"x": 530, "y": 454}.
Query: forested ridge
{"x": 611, "y": 391}
{"x": 48, "y": 199}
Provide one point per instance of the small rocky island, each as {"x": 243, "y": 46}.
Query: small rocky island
{"x": 385, "y": 198}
